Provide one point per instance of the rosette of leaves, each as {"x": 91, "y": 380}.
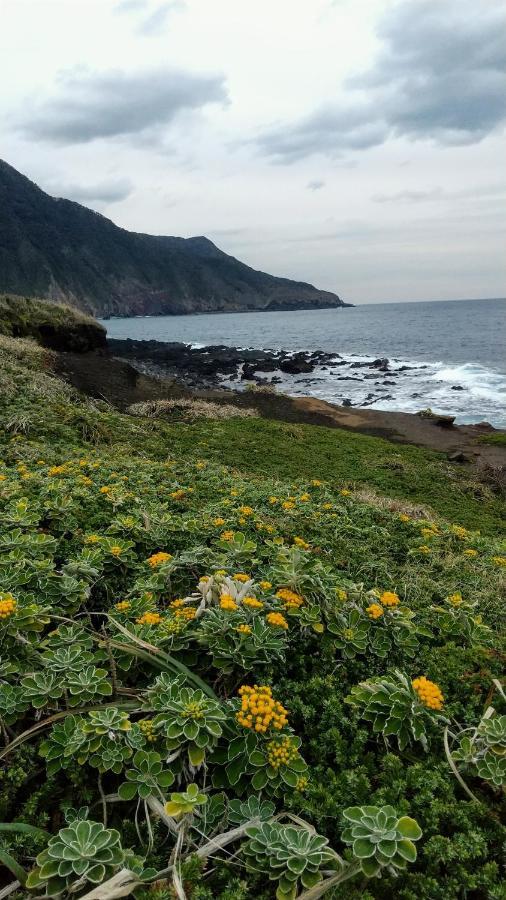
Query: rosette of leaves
{"x": 393, "y": 708}
{"x": 246, "y": 762}
{"x": 240, "y": 811}
{"x": 482, "y": 750}
{"x": 42, "y": 689}
{"x": 66, "y": 635}
{"x": 185, "y": 803}
{"x": 105, "y": 740}
{"x": 28, "y": 619}
{"x": 379, "y": 838}
{"x": 13, "y": 703}
{"x": 288, "y": 855}
{"x": 66, "y": 659}
{"x": 87, "y": 685}
{"x": 462, "y": 622}
{"x": 351, "y": 628}
{"x": 83, "y": 853}
{"x": 239, "y": 549}
{"x": 232, "y": 649}
{"x": 188, "y": 718}
{"x": 54, "y": 749}
{"x": 147, "y": 778}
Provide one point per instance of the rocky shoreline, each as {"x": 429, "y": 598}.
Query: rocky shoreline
{"x": 219, "y": 366}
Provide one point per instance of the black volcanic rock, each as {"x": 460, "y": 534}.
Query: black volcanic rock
{"x": 59, "y": 250}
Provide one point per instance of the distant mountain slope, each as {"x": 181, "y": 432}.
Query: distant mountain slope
{"x": 60, "y": 250}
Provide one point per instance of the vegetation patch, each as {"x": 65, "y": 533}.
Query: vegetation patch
{"x": 228, "y": 670}
{"x": 190, "y": 409}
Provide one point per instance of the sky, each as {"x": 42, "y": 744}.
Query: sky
{"x": 355, "y": 144}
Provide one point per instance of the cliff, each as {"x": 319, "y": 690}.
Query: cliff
{"x": 60, "y": 250}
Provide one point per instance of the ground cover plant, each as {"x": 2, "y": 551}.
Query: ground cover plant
{"x": 216, "y": 683}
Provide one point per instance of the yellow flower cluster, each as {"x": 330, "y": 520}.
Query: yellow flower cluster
{"x": 146, "y": 726}
{"x": 424, "y": 549}
{"x": 228, "y": 603}
{"x": 186, "y": 614}
{"x": 244, "y": 629}
{"x": 259, "y": 710}
{"x": 176, "y": 604}
{"x": 341, "y": 595}
{"x": 428, "y": 692}
{"x": 288, "y": 504}
{"x": 178, "y": 495}
{"x": 218, "y": 521}
{"x": 105, "y": 489}
{"x": 280, "y": 752}
{"x": 253, "y": 603}
{"x": 404, "y": 518}
{"x": 194, "y": 710}
{"x": 116, "y": 550}
{"x": 455, "y": 599}
{"x": 300, "y": 542}
{"x": 7, "y": 605}
{"x": 499, "y": 560}
{"x": 158, "y": 558}
{"x": 460, "y": 532}
{"x": 122, "y": 606}
{"x": 92, "y": 539}
{"x": 374, "y": 611}
{"x": 227, "y": 535}
{"x": 301, "y": 784}
{"x": 265, "y": 585}
{"x": 149, "y": 618}
{"x": 276, "y": 620}
{"x": 290, "y": 599}
{"x": 316, "y": 483}
{"x": 388, "y": 598}
{"x": 345, "y": 492}
{"x": 56, "y": 470}
{"x": 470, "y": 552}
{"x": 246, "y": 510}
{"x": 240, "y": 576}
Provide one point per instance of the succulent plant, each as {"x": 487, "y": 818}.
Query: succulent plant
{"x": 87, "y": 685}
{"x": 493, "y": 732}
{"x": 12, "y": 703}
{"x": 82, "y": 852}
{"x": 148, "y": 777}
{"x": 287, "y": 854}
{"x": 185, "y": 803}
{"x": 492, "y": 768}
{"x": 240, "y": 811}
{"x": 231, "y": 648}
{"x": 187, "y": 717}
{"x": 63, "y": 660}
{"x": 351, "y": 629}
{"x": 379, "y": 838}
{"x": 393, "y": 707}
{"x": 41, "y": 688}
{"x": 105, "y": 739}
{"x": 65, "y": 635}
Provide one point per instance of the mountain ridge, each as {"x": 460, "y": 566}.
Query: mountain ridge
{"x": 59, "y": 250}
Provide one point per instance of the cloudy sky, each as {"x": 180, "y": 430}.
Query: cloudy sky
{"x": 356, "y": 144}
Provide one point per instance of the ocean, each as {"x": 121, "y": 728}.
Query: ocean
{"x": 454, "y": 351}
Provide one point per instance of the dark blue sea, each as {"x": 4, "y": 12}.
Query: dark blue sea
{"x": 455, "y": 351}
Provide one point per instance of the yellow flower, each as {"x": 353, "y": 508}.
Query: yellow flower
{"x": 200, "y": 465}
{"x": 276, "y": 620}
{"x": 345, "y": 492}
{"x": 122, "y": 606}
{"x": 388, "y": 598}
{"x": 374, "y": 611}
{"x": 423, "y": 549}
{"x": 240, "y": 576}
{"x": 460, "y": 532}
{"x": 281, "y": 752}
{"x": 218, "y": 521}
{"x": 228, "y": 603}
{"x": 273, "y": 500}
{"x": 316, "y": 483}
{"x": 56, "y": 470}
{"x": 288, "y": 504}
{"x": 341, "y": 595}
{"x": 428, "y": 692}
{"x": 178, "y": 495}
{"x": 253, "y": 603}
{"x": 300, "y": 542}
{"x": 404, "y": 518}
{"x": 265, "y": 585}
{"x": 227, "y": 535}
{"x": 7, "y": 605}
{"x": 499, "y": 560}
{"x": 290, "y": 599}
{"x": 428, "y": 532}
{"x": 327, "y": 506}
{"x": 244, "y": 629}
{"x": 147, "y": 728}
{"x": 246, "y": 510}
{"x": 455, "y": 599}
{"x": 304, "y": 498}
{"x": 220, "y": 572}
{"x": 116, "y": 550}
{"x": 259, "y": 710}
{"x": 158, "y": 558}
{"x": 470, "y": 552}
{"x": 92, "y": 539}
{"x": 302, "y": 783}
{"x": 149, "y": 618}
{"x": 105, "y": 489}
{"x": 234, "y": 493}
{"x": 177, "y": 604}
{"x": 3, "y": 477}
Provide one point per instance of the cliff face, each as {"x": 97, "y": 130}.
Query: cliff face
{"x": 62, "y": 251}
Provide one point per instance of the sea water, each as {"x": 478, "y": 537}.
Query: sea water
{"x": 455, "y": 351}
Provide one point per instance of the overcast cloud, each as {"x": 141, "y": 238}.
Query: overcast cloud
{"x": 355, "y": 144}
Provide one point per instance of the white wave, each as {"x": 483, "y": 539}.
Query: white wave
{"x": 478, "y": 381}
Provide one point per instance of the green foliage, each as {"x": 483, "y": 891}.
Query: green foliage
{"x": 185, "y": 803}
{"x": 287, "y": 855}
{"x": 82, "y": 852}
{"x": 379, "y": 838}
{"x": 148, "y": 777}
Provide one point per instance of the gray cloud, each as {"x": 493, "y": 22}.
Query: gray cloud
{"x": 481, "y": 193}
{"x": 116, "y": 103}
{"x": 315, "y": 185}
{"x": 156, "y": 21}
{"x": 440, "y": 76}
{"x": 111, "y": 191}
